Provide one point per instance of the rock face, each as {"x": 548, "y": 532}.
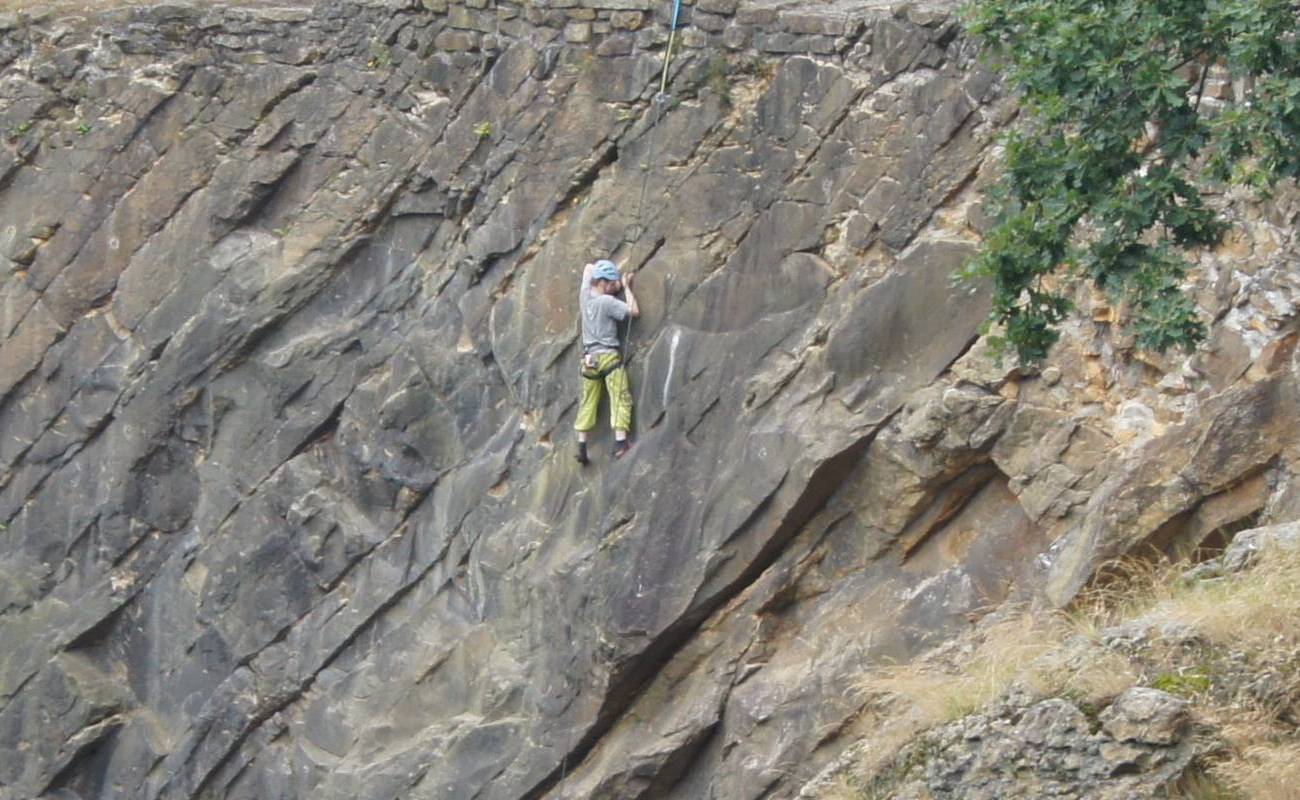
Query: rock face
{"x": 288, "y": 365}
{"x": 1049, "y": 749}
{"x": 1247, "y": 547}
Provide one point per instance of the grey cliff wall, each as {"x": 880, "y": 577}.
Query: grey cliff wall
{"x": 287, "y": 374}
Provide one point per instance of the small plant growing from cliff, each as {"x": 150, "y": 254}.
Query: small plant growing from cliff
{"x": 1185, "y": 683}
{"x": 483, "y": 130}
{"x": 757, "y": 67}
{"x": 380, "y": 56}
{"x": 19, "y": 130}
{"x": 718, "y": 78}
{"x": 83, "y": 128}
{"x": 1104, "y": 178}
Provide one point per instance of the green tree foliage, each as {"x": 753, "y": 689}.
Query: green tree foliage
{"x": 1104, "y": 173}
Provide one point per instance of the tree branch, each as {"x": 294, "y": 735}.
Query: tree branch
{"x": 1200, "y": 89}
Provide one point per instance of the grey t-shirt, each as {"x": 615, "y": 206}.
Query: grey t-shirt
{"x": 601, "y": 314}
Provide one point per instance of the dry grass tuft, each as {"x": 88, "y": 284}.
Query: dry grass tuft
{"x": 1248, "y": 624}
{"x": 1041, "y": 653}
{"x": 1122, "y": 590}
{"x": 1244, "y": 728}
{"x": 1267, "y": 771}
{"x": 1255, "y": 609}
{"x": 1005, "y": 650}
{"x": 1197, "y": 785}
{"x": 1089, "y": 674}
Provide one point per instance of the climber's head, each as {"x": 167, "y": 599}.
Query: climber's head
{"x": 605, "y": 277}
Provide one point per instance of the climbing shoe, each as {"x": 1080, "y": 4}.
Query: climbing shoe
{"x": 581, "y": 455}
{"x": 621, "y": 448}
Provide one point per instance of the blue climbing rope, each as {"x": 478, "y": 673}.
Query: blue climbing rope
{"x": 668, "y": 55}
{"x": 658, "y": 107}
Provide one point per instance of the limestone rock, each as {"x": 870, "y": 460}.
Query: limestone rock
{"x": 1146, "y": 716}
{"x": 1047, "y": 749}
{"x": 1144, "y": 632}
{"x": 1247, "y": 546}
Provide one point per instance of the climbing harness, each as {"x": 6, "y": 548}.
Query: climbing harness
{"x": 600, "y": 375}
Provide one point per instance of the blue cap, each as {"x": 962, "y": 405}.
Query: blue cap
{"x": 605, "y": 271}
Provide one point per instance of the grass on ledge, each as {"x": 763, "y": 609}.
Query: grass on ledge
{"x": 1248, "y": 624}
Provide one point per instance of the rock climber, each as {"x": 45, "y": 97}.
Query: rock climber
{"x": 602, "y": 362}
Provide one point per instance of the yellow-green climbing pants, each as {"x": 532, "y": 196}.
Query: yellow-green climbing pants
{"x": 620, "y": 396}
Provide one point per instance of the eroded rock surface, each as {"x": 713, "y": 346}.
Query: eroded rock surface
{"x": 1136, "y": 747}
{"x": 287, "y": 371}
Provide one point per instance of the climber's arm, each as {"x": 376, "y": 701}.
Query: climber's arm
{"x": 584, "y": 289}
{"x": 632, "y": 308}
